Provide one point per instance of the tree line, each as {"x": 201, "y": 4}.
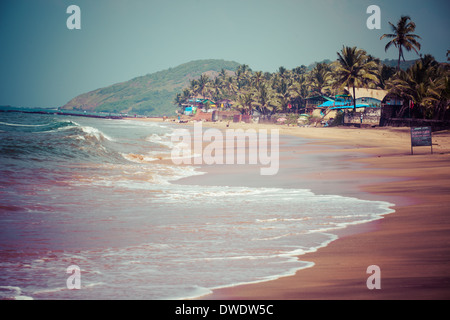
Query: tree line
{"x": 424, "y": 85}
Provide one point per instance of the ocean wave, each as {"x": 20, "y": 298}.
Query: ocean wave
{"x": 94, "y": 132}
{"x": 12, "y": 293}
{"x": 139, "y": 158}
{"x": 22, "y": 125}
{"x": 161, "y": 139}
{"x": 38, "y": 128}
{"x": 58, "y": 140}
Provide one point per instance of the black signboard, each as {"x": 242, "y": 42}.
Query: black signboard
{"x": 421, "y": 137}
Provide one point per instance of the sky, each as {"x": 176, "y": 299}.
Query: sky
{"x": 45, "y": 64}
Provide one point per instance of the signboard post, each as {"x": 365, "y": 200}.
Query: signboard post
{"x": 421, "y": 137}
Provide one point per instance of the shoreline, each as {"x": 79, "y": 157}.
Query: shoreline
{"x": 411, "y": 249}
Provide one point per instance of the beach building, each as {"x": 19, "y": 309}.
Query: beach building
{"x": 368, "y": 97}
{"x": 312, "y": 103}
{"x": 368, "y": 107}
{"x": 391, "y": 107}
{"x": 192, "y": 105}
{"x": 329, "y": 108}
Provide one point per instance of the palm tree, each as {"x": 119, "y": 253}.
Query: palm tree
{"x": 283, "y": 93}
{"x": 230, "y": 87}
{"x": 202, "y": 85}
{"x": 402, "y": 37}
{"x": 385, "y": 73}
{"x": 282, "y": 72}
{"x": 318, "y": 79}
{"x": 426, "y": 84}
{"x": 245, "y": 103}
{"x": 257, "y": 79}
{"x": 265, "y": 101}
{"x": 354, "y": 69}
{"x": 298, "y": 72}
{"x": 215, "y": 88}
{"x": 178, "y": 100}
{"x": 299, "y": 91}
{"x": 243, "y": 74}
{"x": 439, "y": 92}
{"x": 193, "y": 88}
{"x": 223, "y": 74}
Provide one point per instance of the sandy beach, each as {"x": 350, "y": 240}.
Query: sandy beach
{"x": 411, "y": 246}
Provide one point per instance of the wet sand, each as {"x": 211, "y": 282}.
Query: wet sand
{"x": 411, "y": 246}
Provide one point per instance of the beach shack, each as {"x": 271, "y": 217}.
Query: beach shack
{"x": 189, "y": 110}
{"x": 368, "y": 97}
{"x": 329, "y": 108}
{"x": 192, "y": 105}
{"x": 368, "y": 107}
{"x": 312, "y": 103}
{"x": 391, "y": 108}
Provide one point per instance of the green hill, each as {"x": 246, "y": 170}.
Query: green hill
{"x": 151, "y": 94}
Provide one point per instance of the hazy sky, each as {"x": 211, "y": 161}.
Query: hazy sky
{"x": 44, "y": 64}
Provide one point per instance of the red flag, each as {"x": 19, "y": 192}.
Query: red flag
{"x": 411, "y": 104}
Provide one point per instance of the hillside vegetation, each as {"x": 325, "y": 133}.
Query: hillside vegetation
{"x": 150, "y": 95}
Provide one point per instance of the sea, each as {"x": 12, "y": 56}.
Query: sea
{"x": 94, "y": 194}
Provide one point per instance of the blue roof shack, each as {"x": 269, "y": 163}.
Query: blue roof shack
{"x": 369, "y": 97}
{"x": 366, "y": 98}
{"x": 339, "y": 102}
{"x": 368, "y": 107}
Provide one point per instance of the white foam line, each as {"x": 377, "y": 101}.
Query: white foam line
{"x": 17, "y": 293}
{"x": 24, "y": 125}
{"x": 297, "y": 252}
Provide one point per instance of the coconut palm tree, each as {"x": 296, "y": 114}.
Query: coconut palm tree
{"x": 265, "y": 100}
{"x": 203, "y": 85}
{"x": 223, "y": 75}
{"x": 385, "y": 73}
{"x": 245, "y": 103}
{"x": 243, "y": 74}
{"x": 298, "y": 72}
{"x": 193, "y": 88}
{"x": 283, "y": 93}
{"x": 230, "y": 87}
{"x": 178, "y": 100}
{"x": 354, "y": 69}
{"x": 257, "y": 79}
{"x": 318, "y": 79}
{"x": 402, "y": 37}
{"x": 216, "y": 89}
{"x": 419, "y": 85}
{"x": 283, "y": 72}
{"x": 439, "y": 92}
{"x": 299, "y": 91}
